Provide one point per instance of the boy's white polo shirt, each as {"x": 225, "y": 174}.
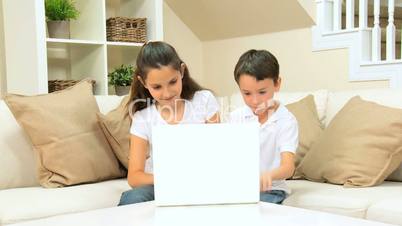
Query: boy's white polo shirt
{"x": 278, "y": 134}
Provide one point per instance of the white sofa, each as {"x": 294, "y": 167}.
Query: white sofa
{"x": 21, "y": 198}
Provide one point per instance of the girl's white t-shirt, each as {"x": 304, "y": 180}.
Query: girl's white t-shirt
{"x": 197, "y": 110}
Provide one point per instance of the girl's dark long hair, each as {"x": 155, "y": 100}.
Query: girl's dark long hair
{"x": 154, "y": 55}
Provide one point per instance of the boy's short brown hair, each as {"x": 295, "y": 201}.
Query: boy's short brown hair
{"x": 260, "y": 64}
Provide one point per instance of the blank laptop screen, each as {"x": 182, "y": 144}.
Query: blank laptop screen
{"x": 196, "y": 164}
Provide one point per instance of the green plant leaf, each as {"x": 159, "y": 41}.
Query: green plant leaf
{"x": 121, "y": 76}
{"x": 60, "y": 10}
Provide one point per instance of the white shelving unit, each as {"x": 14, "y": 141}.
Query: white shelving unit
{"x": 32, "y": 58}
{"x": 77, "y": 41}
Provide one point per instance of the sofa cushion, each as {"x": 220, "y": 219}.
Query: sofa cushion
{"x": 386, "y": 97}
{"x": 396, "y": 175}
{"x": 50, "y": 202}
{"x": 63, "y": 128}
{"x": 353, "y": 202}
{"x": 16, "y": 154}
{"x": 388, "y": 210}
{"x": 360, "y": 147}
{"x": 320, "y": 99}
{"x": 310, "y": 128}
{"x": 107, "y": 103}
{"x": 116, "y": 127}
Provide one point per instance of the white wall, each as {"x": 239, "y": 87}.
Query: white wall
{"x": 188, "y": 46}
{"x": 300, "y": 68}
{"x": 3, "y": 82}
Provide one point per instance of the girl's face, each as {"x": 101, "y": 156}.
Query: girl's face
{"x": 164, "y": 85}
{"x": 257, "y": 94}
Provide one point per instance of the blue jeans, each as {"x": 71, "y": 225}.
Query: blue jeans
{"x": 139, "y": 194}
{"x": 274, "y": 196}
{"x": 146, "y": 193}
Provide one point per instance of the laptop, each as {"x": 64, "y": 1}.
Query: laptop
{"x": 202, "y": 164}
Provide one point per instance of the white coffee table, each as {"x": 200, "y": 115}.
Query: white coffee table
{"x": 145, "y": 214}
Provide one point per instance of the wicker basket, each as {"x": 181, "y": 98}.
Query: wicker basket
{"x": 123, "y": 29}
{"x": 56, "y": 85}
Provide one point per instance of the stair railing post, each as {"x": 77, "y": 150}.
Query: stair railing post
{"x": 337, "y": 11}
{"x": 363, "y": 14}
{"x": 391, "y": 31}
{"x": 324, "y": 15}
{"x": 350, "y": 14}
{"x": 376, "y": 34}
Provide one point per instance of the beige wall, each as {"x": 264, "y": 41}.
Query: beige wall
{"x": 212, "y": 62}
{"x": 300, "y": 68}
{"x": 186, "y": 43}
{"x": 310, "y": 7}
{"x": 223, "y": 19}
{"x": 2, "y": 56}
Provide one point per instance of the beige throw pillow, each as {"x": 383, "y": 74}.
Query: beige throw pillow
{"x": 116, "y": 126}
{"x": 64, "y": 131}
{"x": 360, "y": 147}
{"x": 310, "y": 127}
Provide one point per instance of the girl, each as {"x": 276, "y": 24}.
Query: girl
{"x": 162, "y": 93}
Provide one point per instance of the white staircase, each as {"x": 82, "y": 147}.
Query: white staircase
{"x": 345, "y": 24}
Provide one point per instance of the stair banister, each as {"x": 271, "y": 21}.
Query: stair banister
{"x": 391, "y": 31}
{"x": 324, "y": 15}
{"x": 337, "y": 15}
{"x": 363, "y": 14}
{"x": 364, "y": 32}
{"x": 376, "y": 33}
{"x": 350, "y": 14}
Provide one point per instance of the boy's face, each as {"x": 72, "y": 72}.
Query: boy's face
{"x": 257, "y": 93}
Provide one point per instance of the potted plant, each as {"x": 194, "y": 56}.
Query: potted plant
{"x": 121, "y": 78}
{"x": 58, "y": 16}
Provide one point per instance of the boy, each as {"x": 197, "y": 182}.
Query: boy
{"x": 257, "y": 75}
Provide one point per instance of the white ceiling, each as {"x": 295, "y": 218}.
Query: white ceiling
{"x": 222, "y": 19}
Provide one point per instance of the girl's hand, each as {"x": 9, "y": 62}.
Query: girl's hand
{"x": 265, "y": 181}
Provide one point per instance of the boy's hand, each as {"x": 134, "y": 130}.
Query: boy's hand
{"x": 265, "y": 181}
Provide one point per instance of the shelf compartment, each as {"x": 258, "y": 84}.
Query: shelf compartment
{"x": 118, "y": 55}
{"x": 78, "y": 61}
{"x": 88, "y": 25}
